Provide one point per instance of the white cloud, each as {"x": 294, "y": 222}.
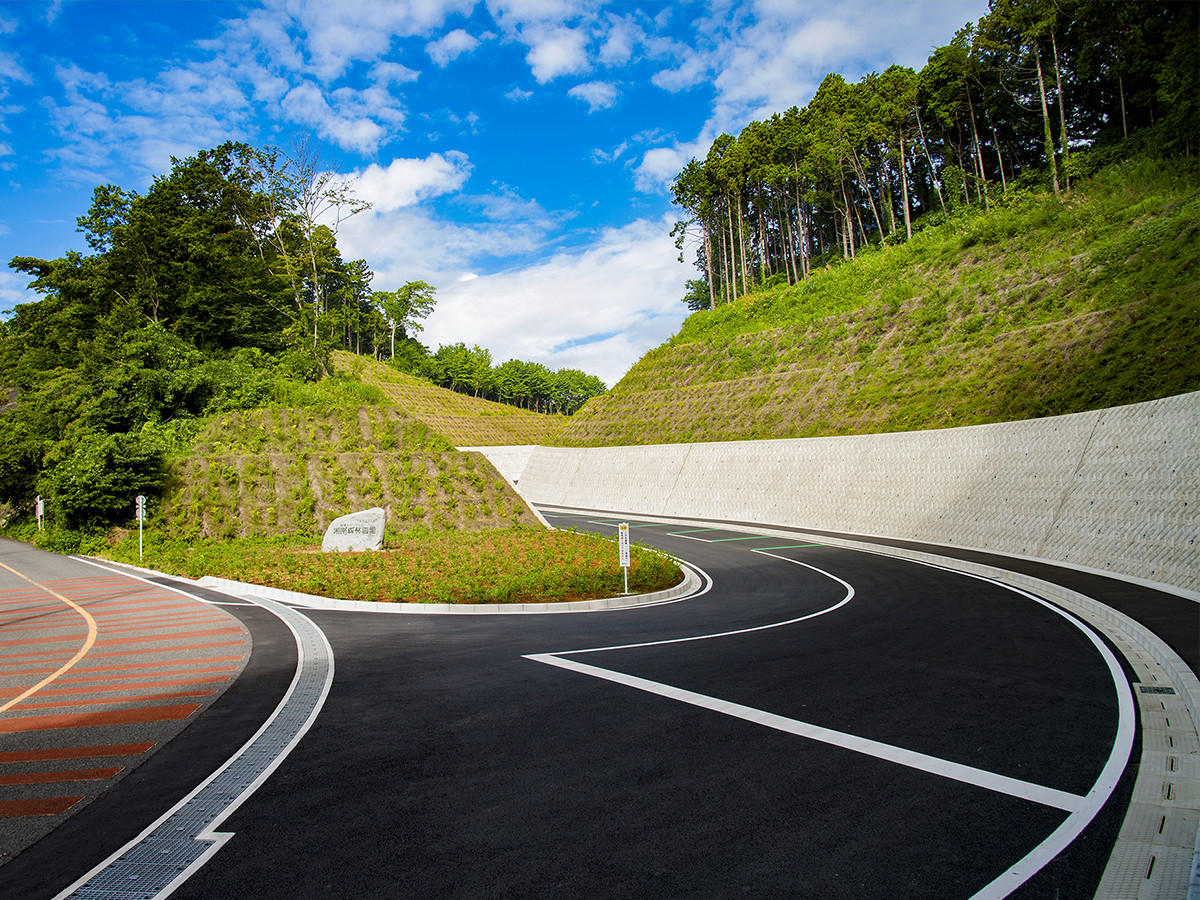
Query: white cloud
{"x": 517, "y": 95}
{"x": 403, "y": 239}
{"x": 451, "y": 46}
{"x": 661, "y": 164}
{"x": 687, "y": 74}
{"x": 554, "y": 52}
{"x": 778, "y": 59}
{"x": 513, "y": 14}
{"x": 389, "y": 73}
{"x": 107, "y": 125}
{"x": 305, "y": 104}
{"x": 406, "y": 182}
{"x": 53, "y": 9}
{"x": 596, "y": 94}
{"x": 281, "y": 56}
{"x": 623, "y": 35}
{"x": 623, "y": 291}
{"x": 412, "y": 243}
{"x": 508, "y": 206}
{"x": 339, "y": 34}
{"x": 11, "y": 69}
{"x": 263, "y": 39}
{"x": 607, "y": 156}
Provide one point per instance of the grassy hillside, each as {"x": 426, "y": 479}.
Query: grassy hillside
{"x": 292, "y": 471}
{"x": 258, "y": 488}
{"x": 465, "y": 421}
{"x": 1037, "y": 308}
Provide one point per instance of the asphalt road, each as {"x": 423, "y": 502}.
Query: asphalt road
{"x": 875, "y": 728}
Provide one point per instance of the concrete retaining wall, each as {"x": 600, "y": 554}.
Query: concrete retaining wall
{"x": 1115, "y": 490}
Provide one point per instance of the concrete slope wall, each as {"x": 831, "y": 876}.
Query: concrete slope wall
{"x": 1116, "y": 490}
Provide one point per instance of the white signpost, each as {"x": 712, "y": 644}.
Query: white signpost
{"x": 140, "y": 507}
{"x": 41, "y": 511}
{"x": 623, "y": 545}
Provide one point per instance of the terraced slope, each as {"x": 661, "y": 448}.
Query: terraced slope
{"x": 272, "y": 471}
{"x": 1036, "y": 308}
{"x": 464, "y": 421}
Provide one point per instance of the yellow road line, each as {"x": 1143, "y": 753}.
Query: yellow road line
{"x": 66, "y": 667}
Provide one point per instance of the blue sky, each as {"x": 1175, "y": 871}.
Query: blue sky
{"x": 517, "y": 153}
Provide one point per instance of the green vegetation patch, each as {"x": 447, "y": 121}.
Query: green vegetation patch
{"x": 269, "y": 472}
{"x": 1040, "y": 306}
{"x": 465, "y": 421}
{"x": 515, "y": 565}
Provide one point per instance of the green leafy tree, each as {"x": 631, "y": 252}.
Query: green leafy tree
{"x": 182, "y": 308}
{"x": 306, "y": 202}
{"x": 94, "y": 480}
{"x": 404, "y": 309}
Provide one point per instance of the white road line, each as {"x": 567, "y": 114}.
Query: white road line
{"x": 688, "y": 537}
{"x": 1001, "y": 784}
{"x": 173, "y": 848}
{"x": 1029, "y": 865}
{"x": 633, "y": 525}
{"x": 720, "y": 634}
{"x": 1081, "y": 810}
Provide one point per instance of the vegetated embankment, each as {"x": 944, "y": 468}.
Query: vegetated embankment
{"x": 1036, "y": 307}
{"x": 258, "y": 488}
{"x": 464, "y": 421}
{"x": 292, "y": 471}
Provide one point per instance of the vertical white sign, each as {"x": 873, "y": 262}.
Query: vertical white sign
{"x": 41, "y": 511}
{"x": 140, "y": 506}
{"x": 623, "y": 545}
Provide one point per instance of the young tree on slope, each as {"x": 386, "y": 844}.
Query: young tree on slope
{"x": 405, "y": 308}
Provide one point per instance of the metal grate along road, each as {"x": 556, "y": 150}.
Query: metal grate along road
{"x": 179, "y": 843}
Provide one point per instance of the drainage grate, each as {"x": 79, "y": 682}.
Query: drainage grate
{"x": 180, "y": 842}
{"x": 1155, "y": 689}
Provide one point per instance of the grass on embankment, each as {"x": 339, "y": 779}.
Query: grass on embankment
{"x": 464, "y": 421}
{"x": 292, "y": 471}
{"x": 254, "y": 492}
{"x": 517, "y": 565}
{"x": 251, "y": 492}
{"x": 1039, "y": 307}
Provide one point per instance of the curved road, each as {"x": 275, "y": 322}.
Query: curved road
{"x": 817, "y": 722}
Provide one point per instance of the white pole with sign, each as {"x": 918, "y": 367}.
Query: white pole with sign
{"x": 41, "y": 511}
{"x": 140, "y": 506}
{"x": 623, "y": 544}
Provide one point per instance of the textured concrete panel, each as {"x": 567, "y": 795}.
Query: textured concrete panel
{"x": 1115, "y": 490}
{"x": 509, "y": 461}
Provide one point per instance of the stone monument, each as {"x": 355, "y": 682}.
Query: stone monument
{"x": 356, "y": 531}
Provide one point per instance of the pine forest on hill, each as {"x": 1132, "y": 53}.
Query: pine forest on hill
{"x": 1040, "y": 306}
{"x": 1031, "y": 94}
{"x": 1010, "y": 232}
